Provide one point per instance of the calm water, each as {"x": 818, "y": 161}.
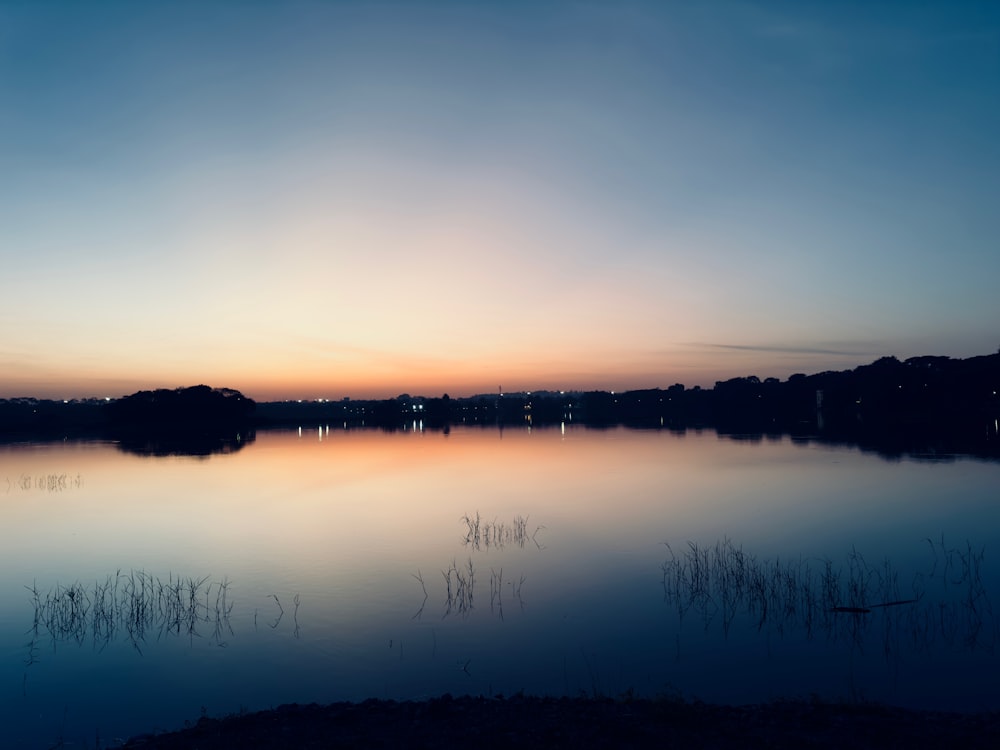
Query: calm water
{"x": 321, "y": 565}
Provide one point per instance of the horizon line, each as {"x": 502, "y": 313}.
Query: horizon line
{"x": 300, "y": 399}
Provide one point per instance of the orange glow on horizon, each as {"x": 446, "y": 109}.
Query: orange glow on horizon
{"x": 458, "y": 379}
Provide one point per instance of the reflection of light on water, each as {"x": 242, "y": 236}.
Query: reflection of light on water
{"x": 282, "y": 517}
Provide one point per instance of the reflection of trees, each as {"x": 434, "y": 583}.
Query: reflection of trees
{"x": 948, "y": 604}
{"x": 185, "y": 444}
{"x": 196, "y": 421}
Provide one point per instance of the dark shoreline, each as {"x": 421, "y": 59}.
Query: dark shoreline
{"x": 538, "y": 722}
{"x": 924, "y": 406}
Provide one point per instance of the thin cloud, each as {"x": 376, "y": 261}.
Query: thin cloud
{"x": 784, "y": 349}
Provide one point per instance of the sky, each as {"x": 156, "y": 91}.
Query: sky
{"x": 329, "y": 199}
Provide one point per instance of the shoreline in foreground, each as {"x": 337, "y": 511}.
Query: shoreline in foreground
{"x": 542, "y": 722}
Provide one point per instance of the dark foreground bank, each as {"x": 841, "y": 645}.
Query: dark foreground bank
{"x": 524, "y": 722}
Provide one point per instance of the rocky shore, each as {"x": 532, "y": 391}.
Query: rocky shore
{"x": 528, "y": 722}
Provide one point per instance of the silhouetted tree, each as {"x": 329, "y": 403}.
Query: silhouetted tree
{"x": 182, "y": 408}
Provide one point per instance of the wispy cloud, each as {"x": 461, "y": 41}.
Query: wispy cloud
{"x": 784, "y": 349}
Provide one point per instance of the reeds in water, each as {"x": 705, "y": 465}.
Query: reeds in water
{"x": 460, "y": 584}
{"x": 480, "y": 534}
{"x": 50, "y": 482}
{"x": 947, "y": 604}
{"x": 131, "y": 605}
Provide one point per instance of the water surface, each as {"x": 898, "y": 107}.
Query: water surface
{"x": 321, "y": 564}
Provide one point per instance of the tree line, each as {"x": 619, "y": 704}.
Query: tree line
{"x": 918, "y": 397}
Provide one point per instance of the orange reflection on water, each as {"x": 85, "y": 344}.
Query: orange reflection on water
{"x": 346, "y": 505}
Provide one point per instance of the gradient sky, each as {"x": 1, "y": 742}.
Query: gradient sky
{"x": 320, "y": 199}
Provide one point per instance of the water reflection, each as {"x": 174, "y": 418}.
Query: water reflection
{"x": 460, "y": 586}
{"x": 892, "y": 444}
{"x": 48, "y": 482}
{"x": 460, "y": 579}
{"x": 497, "y": 592}
{"x": 943, "y": 604}
{"x": 460, "y": 589}
{"x": 199, "y": 445}
{"x": 411, "y": 537}
{"x": 281, "y": 615}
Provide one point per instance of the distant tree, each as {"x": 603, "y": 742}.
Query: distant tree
{"x": 885, "y": 362}
{"x": 182, "y": 407}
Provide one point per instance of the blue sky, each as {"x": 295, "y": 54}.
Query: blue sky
{"x": 316, "y": 199}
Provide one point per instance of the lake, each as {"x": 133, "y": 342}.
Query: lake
{"x": 320, "y": 564}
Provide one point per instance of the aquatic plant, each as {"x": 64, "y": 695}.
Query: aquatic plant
{"x": 947, "y": 604}
{"x": 135, "y": 606}
{"x": 496, "y": 592}
{"x": 480, "y": 534}
{"x": 460, "y": 588}
{"x": 50, "y": 482}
